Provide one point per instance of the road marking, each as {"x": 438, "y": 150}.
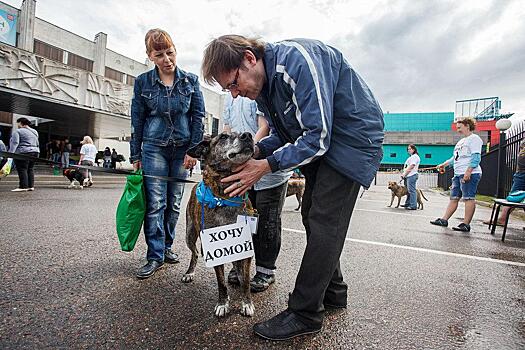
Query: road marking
{"x": 438, "y": 252}
{"x": 396, "y": 212}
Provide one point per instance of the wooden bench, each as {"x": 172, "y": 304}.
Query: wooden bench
{"x": 498, "y": 203}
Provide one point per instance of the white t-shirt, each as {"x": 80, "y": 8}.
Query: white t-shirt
{"x": 413, "y": 159}
{"x": 463, "y": 154}
{"x": 89, "y": 151}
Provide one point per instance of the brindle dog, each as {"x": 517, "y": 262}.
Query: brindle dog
{"x": 220, "y": 155}
{"x": 400, "y": 191}
{"x": 296, "y": 186}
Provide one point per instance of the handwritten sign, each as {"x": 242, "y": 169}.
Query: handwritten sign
{"x": 224, "y": 244}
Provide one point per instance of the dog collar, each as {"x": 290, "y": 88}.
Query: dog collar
{"x": 205, "y": 196}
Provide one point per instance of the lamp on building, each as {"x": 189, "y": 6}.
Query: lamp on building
{"x": 502, "y": 125}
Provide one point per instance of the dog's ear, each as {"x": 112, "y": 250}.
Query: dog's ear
{"x": 201, "y": 148}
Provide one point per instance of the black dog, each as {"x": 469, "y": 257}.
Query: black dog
{"x": 74, "y": 174}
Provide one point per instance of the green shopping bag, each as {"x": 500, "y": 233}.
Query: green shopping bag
{"x": 130, "y": 211}
{"x": 6, "y": 169}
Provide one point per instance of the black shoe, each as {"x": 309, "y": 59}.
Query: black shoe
{"x": 148, "y": 269}
{"x": 170, "y": 257}
{"x": 285, "y": 325}
{"x": 233, "y": 278}
{"x": 410, "y": 208}
{"x": 462, "y": 227}
{"x": 260, "y": 282}
{"x": 440, "y": 222}
{"x": 404, "y": 205}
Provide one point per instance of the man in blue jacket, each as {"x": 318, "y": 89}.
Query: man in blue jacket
{"x": 324, "y": 119}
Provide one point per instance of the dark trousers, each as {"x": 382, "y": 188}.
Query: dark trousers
{"x": 267, "y": 242}
{"x": 26, "y": 176}
{"x": 328, "y": 202}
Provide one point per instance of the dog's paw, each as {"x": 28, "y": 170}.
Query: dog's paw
{"x": 187, "y": 278}
{"x": 247, "y": 309}
{"x": 222, "y": 310}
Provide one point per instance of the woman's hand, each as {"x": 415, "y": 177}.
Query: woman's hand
{"x": 189, "y": 162}
{"x": 137, "y": 165}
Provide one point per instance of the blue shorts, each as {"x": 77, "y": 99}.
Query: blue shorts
{"x": 465, "y": 190}
{"x": 518, "y": 182}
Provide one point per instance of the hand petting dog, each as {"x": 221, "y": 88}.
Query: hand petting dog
{"x": 245, "y": 176}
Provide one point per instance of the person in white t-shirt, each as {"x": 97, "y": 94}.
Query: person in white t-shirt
{"x": 467, "y": 173}
{"x": 410, "y": 176}
{"x": 88, "y": 152}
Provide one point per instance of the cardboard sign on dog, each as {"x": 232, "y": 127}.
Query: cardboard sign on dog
{"x": 224, "y": 244}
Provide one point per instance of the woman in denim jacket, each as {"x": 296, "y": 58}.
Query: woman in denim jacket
{"x": 166, "y": 119}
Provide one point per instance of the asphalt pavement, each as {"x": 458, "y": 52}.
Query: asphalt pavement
{"x": 66, "y": 284}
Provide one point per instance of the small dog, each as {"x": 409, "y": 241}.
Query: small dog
{"x": 400, "y": 191}
{"x": 76, "y": 176}
{"x": 221, "y": 155}
{"x": 296, "y": 186}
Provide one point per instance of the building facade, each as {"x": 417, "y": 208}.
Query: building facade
{"x": 68, "y": 85}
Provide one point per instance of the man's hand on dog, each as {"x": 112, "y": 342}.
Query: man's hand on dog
{"x": 246, "y": 175}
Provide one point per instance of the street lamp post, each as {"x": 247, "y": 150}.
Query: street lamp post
{"x": 502, "y": 125}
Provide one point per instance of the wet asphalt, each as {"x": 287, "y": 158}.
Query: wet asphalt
{"x": 66, "y": 284}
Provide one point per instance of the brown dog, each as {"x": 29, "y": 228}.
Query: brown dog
{"x": 400, "y": 191}
{"x": 220, "y": 155}
{"x": 296, "y": 186}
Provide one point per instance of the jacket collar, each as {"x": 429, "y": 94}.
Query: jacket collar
{"x": 269, "y": 66}
{"x": 179, "y": 75}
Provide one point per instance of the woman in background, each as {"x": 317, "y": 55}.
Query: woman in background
{"x": 24, "y": 141}
{"x": 88, "y": 152}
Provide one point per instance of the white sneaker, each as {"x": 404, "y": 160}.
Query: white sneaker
{"x": 20, "y": 190}
{"x": 31, "y": 189}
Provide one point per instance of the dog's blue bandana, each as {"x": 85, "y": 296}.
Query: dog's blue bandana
{"x": 205, "y": 196}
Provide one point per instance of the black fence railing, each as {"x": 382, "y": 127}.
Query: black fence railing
{"x": 489, "y": 164}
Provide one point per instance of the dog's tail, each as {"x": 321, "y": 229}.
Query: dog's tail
{"x": 423, "y": 195}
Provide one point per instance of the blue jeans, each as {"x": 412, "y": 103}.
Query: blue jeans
{"x": 518, "y": 182}
{"x": 162, "y": 198}
{"x": 466, "y": 190}
{"x": 410, "y": 183}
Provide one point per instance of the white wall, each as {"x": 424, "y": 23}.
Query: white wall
{"x": 63, "y": 39}
{"x": 124, "y": 64}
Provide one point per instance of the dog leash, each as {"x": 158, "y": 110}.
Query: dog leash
{"x": 92, "y": 168}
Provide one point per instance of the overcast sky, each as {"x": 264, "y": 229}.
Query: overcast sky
{"x": 416, "y": 56}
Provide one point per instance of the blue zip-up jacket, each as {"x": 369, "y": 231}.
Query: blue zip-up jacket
{"x": 319, "y": 107}
{"x": 162, "y": 114}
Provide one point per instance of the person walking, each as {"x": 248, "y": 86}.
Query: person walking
{"x": 114, "y": 157}
{"x": 88, "y": 152}
{"x": 66, "y": 152}
{"x": 24, "y": 140}
{"x": 166, "y": 120}
{"x": 410, "y": 176}
{"x": 467, "y": 174}
{"x": 324, "y": 119}
{"x": 267, "y": 195}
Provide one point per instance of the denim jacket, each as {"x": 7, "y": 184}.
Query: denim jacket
{"x": 162, "y": 115}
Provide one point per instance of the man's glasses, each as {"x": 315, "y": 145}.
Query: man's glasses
{"x": 233, "y": 84}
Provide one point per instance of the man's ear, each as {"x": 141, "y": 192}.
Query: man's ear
{"x": 201, "y": 148}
